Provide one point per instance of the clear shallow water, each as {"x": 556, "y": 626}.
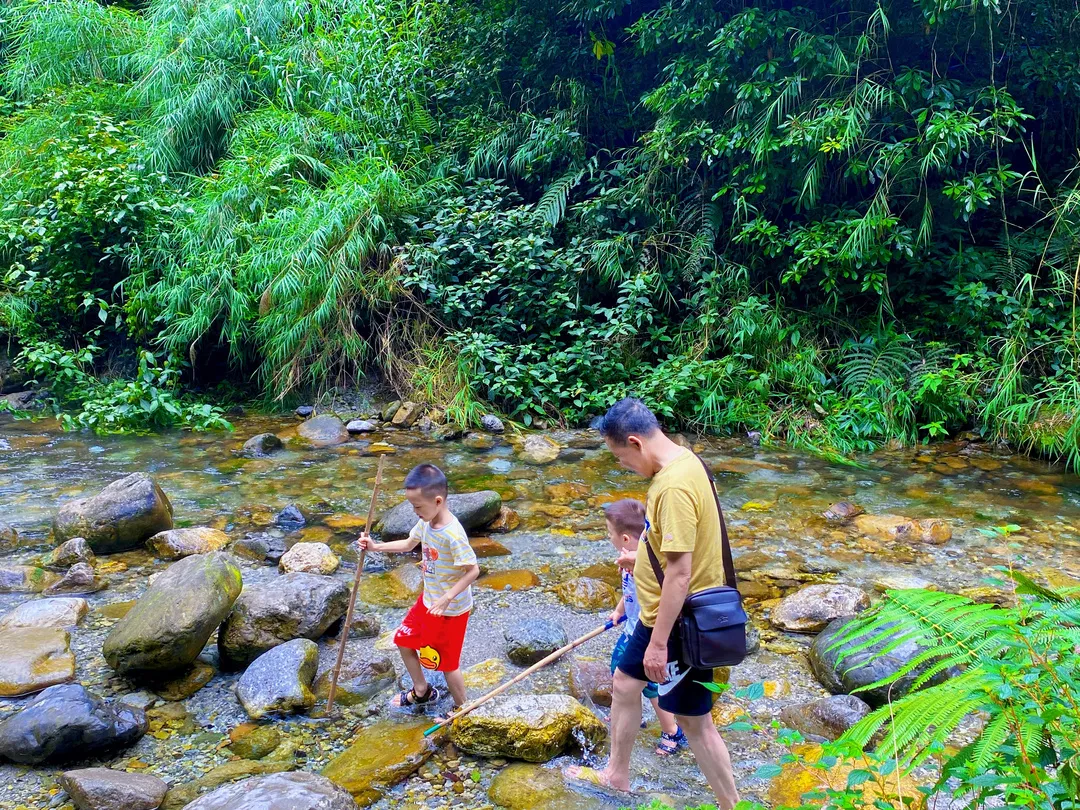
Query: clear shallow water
{"x": 774, "y": 502}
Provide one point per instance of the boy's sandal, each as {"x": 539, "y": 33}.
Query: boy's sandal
{"x": 670, "y": 743}
{"x": 408, "y": 697}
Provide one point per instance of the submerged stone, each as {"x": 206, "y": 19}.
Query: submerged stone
{"x": 61, "y": 611}
{"x": 381, "y": 755}
{"x": 33, "y": 658}
{"x": 119, "y": 518}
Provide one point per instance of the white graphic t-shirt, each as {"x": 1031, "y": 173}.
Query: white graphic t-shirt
{"x": 445, "y": 551}
{"x": 630, "y": 602}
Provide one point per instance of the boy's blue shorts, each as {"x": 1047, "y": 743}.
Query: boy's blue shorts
{"x": 651, "y": 691}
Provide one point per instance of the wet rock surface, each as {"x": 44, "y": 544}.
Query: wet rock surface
{"x": 60, "y": 611}
{"x": 67, "y": 722}
{"x": 530, "y": 640}
{"x": 279, "y": 681}
{"x": 286, "y": 607}
{"x": 286, "y": 791}
{"x": 33, "y": 658}
{"x": 811, "y": 608}
{"x": 120, "y": 517}
{"x": 175, "y": 544}
{"x": 472, "y": 509}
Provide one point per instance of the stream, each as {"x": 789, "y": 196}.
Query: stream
{"x": 774, "y": 501}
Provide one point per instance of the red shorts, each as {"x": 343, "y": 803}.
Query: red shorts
{"x": 436, "y": 639}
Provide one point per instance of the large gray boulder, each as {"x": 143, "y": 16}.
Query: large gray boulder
{"x": 171, "y": 622}
{"x": 322, "y": 431}
{"x": 472, "y": 509}
{"x": 279, "y": 681}
{"x": 106, "y": 789}
{"x": 66, "y": 722}
{"x": 119, "y": 518}
{"x": 270, "y": 613}
{"x": 843, "y": 672}
{"x": 280, "y": 791}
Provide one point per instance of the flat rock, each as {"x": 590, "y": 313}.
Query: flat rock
{"x": 171, "y": 622}
{"x": 485, "y": 675}
{"x": 309, "y": 558}
{"x": 530, "y": 640}
{"x": 843, "y": 511}
{"x": 106, "y": 789}
{"x": 811, "y": 608}
{"x": 270, "y": 613}
{"x": 175, "y": 544}
{"x": 358, "y": 426}
{"x": 472, "y": 509}
{"x": 587, "y": 595}
{"x": 514, "y": 579}
{"x": 279, "y": 681}
{"x": 180, "y": 797}
{"x": 507, "y": 521}
{"x": 67, "y": 722}
{"x": 323, "y": 431}
{"x": 540, "y": 449}
{"x": 61, "y": 611}
{"x": 79, "y": 579}
{"x": 826, "y": 718}
{"x": 398, "y": 588}
{"x": 33, "y": 658}
{"x": 25, "y": 579}
{"x": 73, "y": 551}
{"x": 119, "y": 518}
{"x": 381, "y": 755}
{"x": 387, "y": 413}
{"x": 264, "y": 444}
{"x": 533, "y": 728}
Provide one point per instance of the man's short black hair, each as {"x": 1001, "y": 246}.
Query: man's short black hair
{"x": 627, "y": 417}
{"x": 429, "y": 479}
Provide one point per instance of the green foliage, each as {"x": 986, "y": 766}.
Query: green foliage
{"x": 145, "y": 403}
{"x": 837, "y": 224}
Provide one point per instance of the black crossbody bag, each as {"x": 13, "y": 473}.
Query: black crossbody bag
{"x": 712, "y": 625}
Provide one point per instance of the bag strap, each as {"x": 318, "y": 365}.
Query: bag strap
{"x": 729, "y": 563}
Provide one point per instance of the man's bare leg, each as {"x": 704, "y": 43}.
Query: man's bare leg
{"x": 712, "y": 758}
{"x": 625, "y": 724}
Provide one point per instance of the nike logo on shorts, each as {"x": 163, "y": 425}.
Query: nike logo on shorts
{"x": 674, "y": 678}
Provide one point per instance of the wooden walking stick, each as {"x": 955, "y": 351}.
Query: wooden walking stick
{"x": 498, "y": 690}
{"x": 355, "y": 589}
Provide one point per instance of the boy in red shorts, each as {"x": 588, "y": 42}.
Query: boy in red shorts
{"x": 432, "y": 632}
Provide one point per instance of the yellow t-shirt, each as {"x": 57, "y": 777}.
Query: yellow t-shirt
{"x": 680, "y": 515}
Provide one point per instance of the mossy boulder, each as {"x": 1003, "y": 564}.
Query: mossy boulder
{"x": 119, "y": 518}
{"x": 534, "y": 728}
{"x": 381, "y": 755}
{"x": 175, "y": 544}
{"x": 171, "y": 622}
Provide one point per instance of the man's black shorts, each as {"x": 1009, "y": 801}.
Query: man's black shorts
{"x": 682, "y": 693}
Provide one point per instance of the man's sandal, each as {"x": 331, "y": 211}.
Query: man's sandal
{"x": 408, "y": 697}
{"x": 671, "y": 743}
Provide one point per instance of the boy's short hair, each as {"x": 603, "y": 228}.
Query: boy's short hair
{"x": 626, "y": 516}
{"x": 627, "y": 417}
{"x": 429, "y": 479}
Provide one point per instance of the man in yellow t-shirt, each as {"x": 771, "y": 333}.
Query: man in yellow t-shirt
{"x": 683, "y": 530}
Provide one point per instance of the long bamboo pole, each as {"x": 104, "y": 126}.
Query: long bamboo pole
{"x": 559, "y": 653}
{"x": 352, "y": 597}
